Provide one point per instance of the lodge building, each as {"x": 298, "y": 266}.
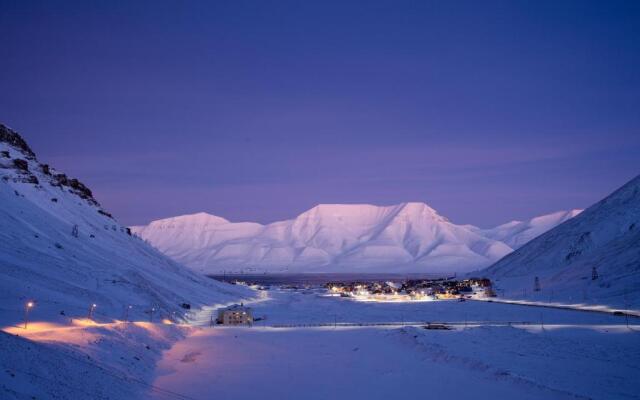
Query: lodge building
{"x": 236, "y": 314}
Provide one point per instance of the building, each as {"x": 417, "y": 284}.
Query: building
{"x": 236, "y": 314}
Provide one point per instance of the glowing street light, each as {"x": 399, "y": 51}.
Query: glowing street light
{"x": 151, "y": 314}
{"x": 126, "y": 313}
{"x": 27, "y": 308}
{"x": 91, "y": 308}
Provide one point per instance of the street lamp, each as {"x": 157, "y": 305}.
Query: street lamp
{"x": 126, "y": 313}
{"x": 27, "y": 308}
{"x": 91, "y": 308}
{"x": 151, "y": 314}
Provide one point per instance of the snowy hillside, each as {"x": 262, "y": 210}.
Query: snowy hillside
{"x": 516, "y": 233}
{"x": 400, "y": 238}
{"x": 59, "y": 248}
{"x": 605, "y": 236}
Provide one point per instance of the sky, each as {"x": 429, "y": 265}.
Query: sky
{"x": 259, "y": 110}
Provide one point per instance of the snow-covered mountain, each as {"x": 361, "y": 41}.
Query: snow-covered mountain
{"x": 516, "y": 233}
{"x": 333, "y": 237}
{"x": 59, "y": 248}
{"x": 605, "y": 236}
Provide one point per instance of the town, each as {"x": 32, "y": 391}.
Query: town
{"x": 413, "y": 290}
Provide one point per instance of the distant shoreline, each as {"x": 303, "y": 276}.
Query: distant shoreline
{"x": 316, "y": 278}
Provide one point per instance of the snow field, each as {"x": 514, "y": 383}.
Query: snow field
{"x": 570, "y": 355}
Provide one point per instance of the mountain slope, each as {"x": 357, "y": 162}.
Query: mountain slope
{"x": 329, "y": 237}
{"x": 516, "y": 233}
{"x": 59, "y": 248}
{"x": 605, "y": 236}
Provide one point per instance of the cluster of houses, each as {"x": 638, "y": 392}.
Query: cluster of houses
{"x": 408, "y": 290}
{"x": 414, "y": 289}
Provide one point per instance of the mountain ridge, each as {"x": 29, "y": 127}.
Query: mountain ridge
{"x": 604, "y": 237}
{"x": 330, "y": 237}
{"x": 62, "y": 250}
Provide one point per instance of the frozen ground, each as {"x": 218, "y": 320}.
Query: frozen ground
{"x": 312, "y": 307}
{"x": 573, "y": 355}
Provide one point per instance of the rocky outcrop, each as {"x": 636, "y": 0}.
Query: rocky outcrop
{"x": 27, "y": 167}
{"x": 14, "y": 139}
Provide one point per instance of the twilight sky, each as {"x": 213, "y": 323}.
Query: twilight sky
{"x": 258, "y": 110}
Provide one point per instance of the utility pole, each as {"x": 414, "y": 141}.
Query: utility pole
{"x": 626, "y": 314}
{"x": 27, "y": 308}
{"x": 126, "y": 313}
{"x": 91, "y": 308}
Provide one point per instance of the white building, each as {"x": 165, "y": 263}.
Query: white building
{"x": 236, "y": 314}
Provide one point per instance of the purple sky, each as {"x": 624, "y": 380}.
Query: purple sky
{"x": 487, "y": 111}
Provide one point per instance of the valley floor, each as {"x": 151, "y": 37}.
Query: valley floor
{"x": 544, "y": 353}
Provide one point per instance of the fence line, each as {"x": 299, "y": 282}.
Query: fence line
{"x": 399, "y": 323}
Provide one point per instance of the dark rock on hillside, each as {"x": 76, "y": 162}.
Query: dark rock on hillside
{"x": 106, "y": 214}
{"x": 75, "y": 186}
{"x": 21, "y": 164}
{"x": 13, "y": 138}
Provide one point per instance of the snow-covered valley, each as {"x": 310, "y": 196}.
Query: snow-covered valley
{"x": 90, "y": 310}
{"x": 503, "y": 350}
